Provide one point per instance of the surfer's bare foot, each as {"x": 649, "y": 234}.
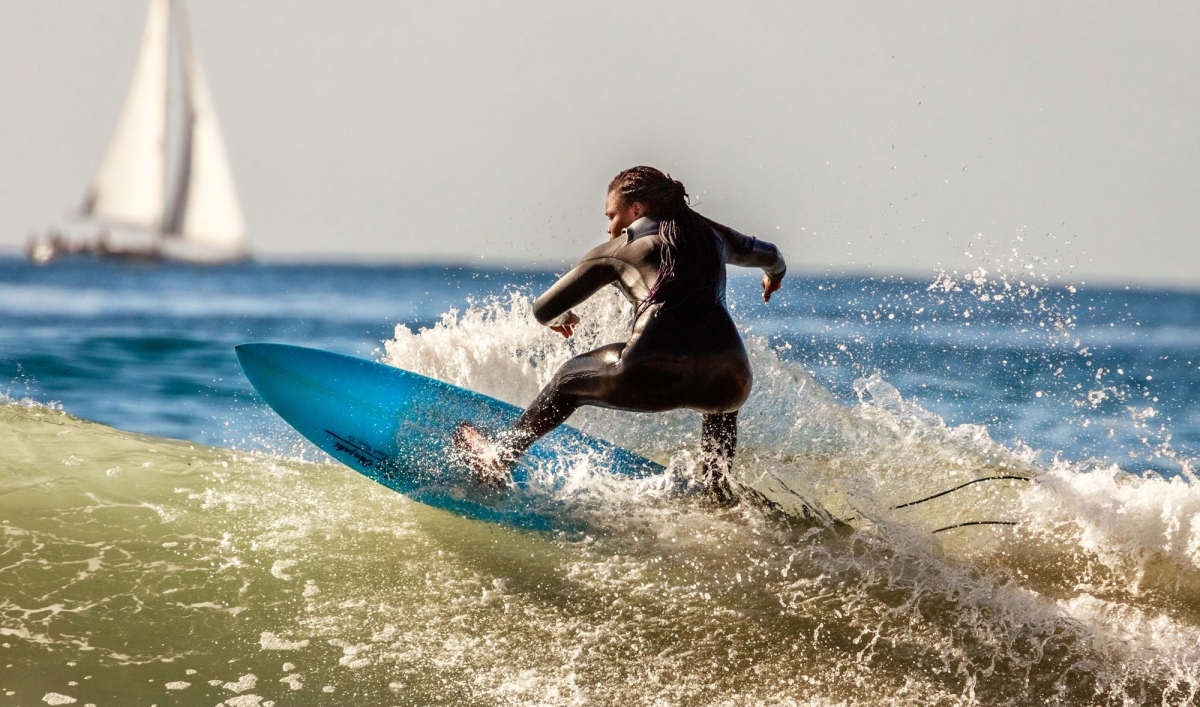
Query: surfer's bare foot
{"x": 485, "y": 459}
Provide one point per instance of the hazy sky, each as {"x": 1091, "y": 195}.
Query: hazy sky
{"x": 896, "y": 136}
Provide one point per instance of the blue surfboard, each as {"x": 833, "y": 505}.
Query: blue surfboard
{"x": 395, "y": 427}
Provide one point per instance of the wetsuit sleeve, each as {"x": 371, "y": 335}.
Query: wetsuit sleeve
{"x": 749, "y": 252}
{"x": 592, "y": 273}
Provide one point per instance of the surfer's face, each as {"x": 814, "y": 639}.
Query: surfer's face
{"x": 620, "y": 214}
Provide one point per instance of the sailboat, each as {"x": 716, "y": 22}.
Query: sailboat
{"x": 195, "y": 216}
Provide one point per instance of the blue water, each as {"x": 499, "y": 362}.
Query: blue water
{"x": 1108, "y": 375}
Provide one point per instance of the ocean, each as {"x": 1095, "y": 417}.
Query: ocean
{"x": 168, "y": 540}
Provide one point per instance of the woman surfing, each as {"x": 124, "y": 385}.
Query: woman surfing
{"x": 684, "y": 350}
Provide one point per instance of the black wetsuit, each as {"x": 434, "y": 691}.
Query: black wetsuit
{"x": 684, "y": 352}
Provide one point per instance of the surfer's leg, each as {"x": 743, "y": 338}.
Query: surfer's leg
{"x": 587, "y": 378}
{"x": 718, "y": 442}
{"x": 590, "y": 378}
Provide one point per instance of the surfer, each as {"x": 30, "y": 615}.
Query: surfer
{"x": 684, "y": 350}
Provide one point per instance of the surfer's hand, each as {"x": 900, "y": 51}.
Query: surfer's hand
{"x": 769, "y": 286}
{"x": 567, "y": 328}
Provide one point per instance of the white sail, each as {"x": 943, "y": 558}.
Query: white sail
{"x": 128, "y": 185}
{"x": 204, "y": 212}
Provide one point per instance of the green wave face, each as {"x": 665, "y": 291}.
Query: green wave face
{"x": 140, "y": 570}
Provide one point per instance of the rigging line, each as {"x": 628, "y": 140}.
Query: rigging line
{"x": 977, "y": 522}
{"x": 961, "y": 486}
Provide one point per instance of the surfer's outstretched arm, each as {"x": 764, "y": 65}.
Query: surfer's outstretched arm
{"x": 762, "y": 254}
{"x": 750, "y": 252}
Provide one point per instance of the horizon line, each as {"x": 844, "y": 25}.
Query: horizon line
{"x": 545, "y": 266}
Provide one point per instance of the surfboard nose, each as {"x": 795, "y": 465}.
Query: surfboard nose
{"x": 286, "y": 377}
{"x": 297, "y": 380}
{"x": 258, "y": 349}
{"x": 252, "y": 349}
{"x": 255, "y": 360}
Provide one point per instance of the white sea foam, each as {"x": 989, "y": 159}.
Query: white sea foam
{"x": 244, "y": 683}
{"x": 270, "y": 642}
{"x": 1121, "y": 519}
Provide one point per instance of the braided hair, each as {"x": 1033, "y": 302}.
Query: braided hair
{"x": 689, "y": 257}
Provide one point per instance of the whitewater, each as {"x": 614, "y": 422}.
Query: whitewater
{"x": 166, "y": 540}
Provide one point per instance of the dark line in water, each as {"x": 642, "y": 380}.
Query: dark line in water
{"x": 943, "y": 493}
{"x": 961, "y": 486}
{"x": 977, "y": 522}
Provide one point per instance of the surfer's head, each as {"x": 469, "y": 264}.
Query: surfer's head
{"x": 642, "y": 191}
{"x": 689, "y": 250}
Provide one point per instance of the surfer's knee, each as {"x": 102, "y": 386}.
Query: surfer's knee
{"x": 741, "y": 382}
{"x": 723, "y": 387}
